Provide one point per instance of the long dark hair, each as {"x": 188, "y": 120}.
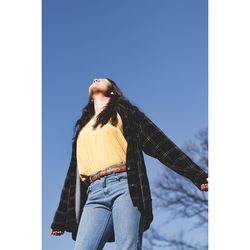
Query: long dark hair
{"x": 109, "y": 112}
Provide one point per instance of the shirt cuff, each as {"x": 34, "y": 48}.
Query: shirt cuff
{"x": 201, "y": 180}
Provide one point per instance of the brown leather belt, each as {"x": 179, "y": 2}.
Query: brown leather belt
{"x": 104, "y": 172}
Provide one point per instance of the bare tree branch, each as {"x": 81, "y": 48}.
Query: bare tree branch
{"x": 177, "y": 195}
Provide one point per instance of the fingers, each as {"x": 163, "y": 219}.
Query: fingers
{"x": 204, "y": 187}
{"x": 56, "y": 232}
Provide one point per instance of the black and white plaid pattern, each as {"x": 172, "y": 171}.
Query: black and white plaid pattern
{"x": 142, "y": 135}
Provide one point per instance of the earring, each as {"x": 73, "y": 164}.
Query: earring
{"x": 112, "y": 93}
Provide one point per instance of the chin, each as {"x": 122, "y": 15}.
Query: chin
{"x": 95, "y": 90}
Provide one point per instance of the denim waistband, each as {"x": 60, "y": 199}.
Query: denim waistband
{"x": 113, "y": 166}
{"x": 106, "y": 179}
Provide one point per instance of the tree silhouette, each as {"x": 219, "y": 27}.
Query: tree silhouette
{"x": 182, "y": 200}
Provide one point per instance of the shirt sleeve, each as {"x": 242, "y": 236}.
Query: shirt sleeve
{"x": 59, "y": 220}
{"x": 154, "y": 142}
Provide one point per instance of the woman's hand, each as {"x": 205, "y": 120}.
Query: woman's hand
{"x": 56, "y": 232}
{"x": 204, "y": 187}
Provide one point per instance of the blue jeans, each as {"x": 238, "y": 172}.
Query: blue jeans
{"x": 109, "y": 205}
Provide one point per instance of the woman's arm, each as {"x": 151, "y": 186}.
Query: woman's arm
{"x": 155, "y": 143}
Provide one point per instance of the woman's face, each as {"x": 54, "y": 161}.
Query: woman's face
{"x": 99, "y": 85}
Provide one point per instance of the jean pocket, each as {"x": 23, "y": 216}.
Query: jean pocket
{"x": 122, "y": 176}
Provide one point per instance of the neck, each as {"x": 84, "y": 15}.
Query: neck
{"x": 99, "y": 102}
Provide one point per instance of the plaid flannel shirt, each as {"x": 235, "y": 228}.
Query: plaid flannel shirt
{"x": 142, "y": 135}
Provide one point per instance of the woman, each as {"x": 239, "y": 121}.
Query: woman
{"x": 107, "y": 166}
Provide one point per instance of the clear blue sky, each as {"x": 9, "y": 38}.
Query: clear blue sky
{"x": 156, "y": 51}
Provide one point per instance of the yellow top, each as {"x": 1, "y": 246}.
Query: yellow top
{"x": 100, "y": 148}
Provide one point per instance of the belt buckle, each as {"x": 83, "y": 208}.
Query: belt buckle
{"x": 90, "y": 179}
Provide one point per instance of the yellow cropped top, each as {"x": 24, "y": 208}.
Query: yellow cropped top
{"x": 100, "y": 148}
